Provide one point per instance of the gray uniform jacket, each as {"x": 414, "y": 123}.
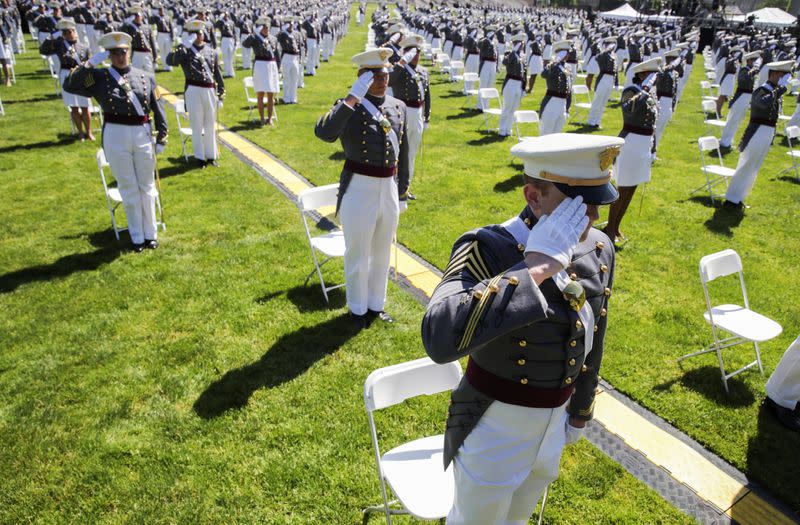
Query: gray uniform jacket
{"x": 69, "y": 55}
{"x": 515, "y": 69}
{"x": 607, "y": 63}
{"x": 191, "y": 62}
{"x": 364, "y": 141}
{"x": 488, "y": 51}
{"x": 143, "y": 39}
{"x": 639, "y": 110}
{"x": 745, "y": 80}
{"x": 765, "y": 106}
{"x": 264, "y": 48}
{"x": 488, "y": 307}
{"x": 113, "y": 99}
{"x": 288, "y": 43}
{"x": 407, "y": 88}
{"x": 559, "y": 84}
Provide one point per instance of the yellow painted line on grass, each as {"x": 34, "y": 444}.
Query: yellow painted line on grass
{"x": 685, "y": 465}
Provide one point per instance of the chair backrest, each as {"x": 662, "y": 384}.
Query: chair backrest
{"x": 580, "y": 89}
{"x": 248, "y": 82}
{"x": 471, "y": 77}
{"x": 709, "y": 106}
{"x": 100, "y": 158}
{"x": 180, "y": 107}
{"x": 705, "y": 84}
{"x": 708, "y": 143}
{"x": 456, "y": 64}
{"x": 319, "y": 197}
{"x": 719, "y": 264}
{"x": 792, "y": 132}
{"x": 526, "y": 115}
{"x": 488, "y": 93}
{"x": 394, "y": 384}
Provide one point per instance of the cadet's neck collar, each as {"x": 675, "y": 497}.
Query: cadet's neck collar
{"x": 123, "y": 71}
{"x": 375, "y": 100}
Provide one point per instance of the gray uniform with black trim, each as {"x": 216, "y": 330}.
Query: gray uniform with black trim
{"x": 520, "y": 332}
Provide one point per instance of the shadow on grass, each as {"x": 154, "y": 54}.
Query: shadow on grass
{"x": 309, "y": 298}
{"x": 178, "y": 166}
{"x": 45, "y": 98}
{"x": 107, "y": 250}
{"x": 767, "y": 454}
{"x": 453, "y": 94}
{"x": 510, "y": 184}
{"x": 465, "y": 113}
{"x": 582, "y": 127}
{"x": 787, "y": 178}
{"x": 724, "y": 221}
{"x": 63, "y": 139}
{"x": 245, "y": 125}
{"x": 706, "y": 381}
{"x": 488, "y": 138}
{"x": 288, "y": 358}
{"x": 703, "y": 200}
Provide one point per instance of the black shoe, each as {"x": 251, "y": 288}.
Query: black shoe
{"x": 137, "y": 248}
{"x": 359, "y": 322}
{"x": 212, "y": 162}
{"x": 410, "y": 196}
{"x": 735, "y": 206}
{"x": 383, "y": 316}
{"x": 201, "y": 163}
{"x": 789, "y": 418}
{"x": 150, "y": 244}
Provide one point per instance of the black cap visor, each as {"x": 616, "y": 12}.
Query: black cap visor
{"x": 605, "y": 194}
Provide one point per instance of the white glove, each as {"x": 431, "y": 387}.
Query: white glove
{"x": 98, "y": 58}
{"x": 160, "y": 148}
{"x": 408, "y": 57}
{"x": 187, "y": 40}
{"x": 573, "y": 433}
{"x": 557, "y": 235}
{"x": 361, "y": 86}
{"x": 784, "y": 79}
{"x": 395, "y": 38}
{"x": 425, "y": 125}
{"x": 219, "y": 104}
{"x": 403, "y": 206}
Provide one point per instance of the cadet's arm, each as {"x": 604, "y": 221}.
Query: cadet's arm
{"x": 80, "y": 81}
{"x": 333, "y": 123}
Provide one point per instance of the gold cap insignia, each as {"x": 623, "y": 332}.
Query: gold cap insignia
{"x": 607, "y": 157}
{"x": 117, "y": 38}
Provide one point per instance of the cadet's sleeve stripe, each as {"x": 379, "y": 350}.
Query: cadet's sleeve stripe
{"x": 476, "y": 315}
{"x": 479, "y": 262}
{"x": 469, "y": 257}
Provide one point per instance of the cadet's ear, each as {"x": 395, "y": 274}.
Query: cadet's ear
{"x": 533, "y": 196}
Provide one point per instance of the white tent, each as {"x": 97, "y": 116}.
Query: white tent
{"x": 623, "y": 12}
{"x": 772, "y": 16}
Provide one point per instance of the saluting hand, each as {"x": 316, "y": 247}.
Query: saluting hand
{"x": 98, "y": 58}
{"x": 361, "y": 86}
{"x": 557, "y": 235}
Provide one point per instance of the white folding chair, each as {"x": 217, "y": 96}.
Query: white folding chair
{"x": 456, "y": 71}
{"x": 581, "y": 107}
{"x": 251, "y": 99}
{"x": 793, "y": 132}
{"x": 715, "y": 173}
{"x": 710, "y": 107}
{"x": 2, "y": 109}
{"x": 53, "y": 74}
{"x": 413, "y": 471}
{"x": 185, "y": 131}
{"x": 707, "y": 90}
{"x": 321, "y": 200}
{"x": 471, "y": 83}
{"x": 744, "y": 325}
{"x": 489, "y": 94}
{"x": 113, "y": 197}
{"x": 525, "y": 116}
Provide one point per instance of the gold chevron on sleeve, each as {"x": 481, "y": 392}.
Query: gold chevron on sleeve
{"x": 468, "y": 257}
{"x": 477, "y": 313}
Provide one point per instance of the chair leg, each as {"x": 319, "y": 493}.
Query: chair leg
{"x": 722, "y": 370}
{"x": 544, "y": 504}
{"x": 758, "y": 357}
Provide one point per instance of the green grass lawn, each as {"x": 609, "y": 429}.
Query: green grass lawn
{"x": 203, "y": 382}
{"x": 468, "y": 179}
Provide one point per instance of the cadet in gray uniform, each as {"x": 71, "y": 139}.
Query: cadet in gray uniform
{"x": 200, "y": 64}
{"x": 527, "y": 301}
{"x": 558, "y": 98}
{"x": 145, "y": 49}
{"x": 127, "y": 96}
{"x": 372, "y": 186}
{"x": 765, "y": 106}
{"x": 740, "y": 102}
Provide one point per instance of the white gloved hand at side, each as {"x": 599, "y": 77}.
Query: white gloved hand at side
{"x": 573, "y": 433}
{"x": 98, "y": 58}
{"x": 425, "y": 125}
{"x": 160, "y": 148}
{"x": 403, "y": 206}
{"x": 361, "y": 86}
{"x": 219, "y": 104}
{"x": 408, "y": 57}
{"x": 557, "y": 235}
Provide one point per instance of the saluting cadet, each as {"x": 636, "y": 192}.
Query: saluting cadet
{"x": 535, "y": 61}
{"x": 639, "y": 114}
{"x": 327, "y": 38}
{"x": 164, "y": 36}
{"x": 372, "y": 186}
{"x": 527, "y": 302}
{"x": 290, "y": 61}
{"x": 471, "y": 51}
{"x": 45, "y": 23}
{"x": 558, "y": 98}
{"x": 729, "y": 75}
{"x": 765, "y": 106}
{"x": 605, "y": 82}
{"x": 69, "y": 52}
{"x": 205, "y": 90}
{"x": 312, "y": 44}
{"x": 127, "y": 95}
{"x": 227, "y": 30}
{"x": 513, "y": 84}
{"x": 105, "y": 24}
{"x": 245, "y": 25}
{"x": 265, "y": 67}
{"x": 487, "y": 65}
{"x": 634, "y": 55}
{"x": 666, "y": 85}
{"x": 410, "y": 83}
{"x": 143, "y": 44}
{"x": 739, "y": 104}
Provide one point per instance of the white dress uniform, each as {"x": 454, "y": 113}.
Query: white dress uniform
{"x": 290, "y": 65}
{"x": 513, "y": 86}
{"x": 72, "y": 54}
{"x": 639, "y": 115}
{"x": 783, "y": 385}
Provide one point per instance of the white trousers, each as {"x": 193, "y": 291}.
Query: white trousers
{"x": 246, "y": 57}
{"x": 290, "y": 64}
{"x": 512, "y": 98}
{"x": 601, "y": 95}
{"x": 83, "y": 33}
{"x": 369, "y": 213}
{"x": 553, "y": 117}
{"x": 415, "y": 127}
{"x": 228, "y": 48}
{"x": 201, "y": 103}
{"x": 735, "y": 115}
{"x": 488, "y": 76}
{"x": 448, "y": 48}
{"x": 129, "y": 151}
{"x": 458, "y": 54}
{"x": 664, "y": 116}
{"x": 783, "y": 386}
{"x": 143, "y": 60}
{"x": 472, "y": 63}
{"x": 312, "y": 61}
{"x": 505, "y": 464}
{"x": 501, "y": 52}
{"x": 795, "y": 118}
{"x": 164, "y": 41}
{"x": 327, "y": 46}
{"x": 687, "y": 71}
{"x": 750, "y": 161}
